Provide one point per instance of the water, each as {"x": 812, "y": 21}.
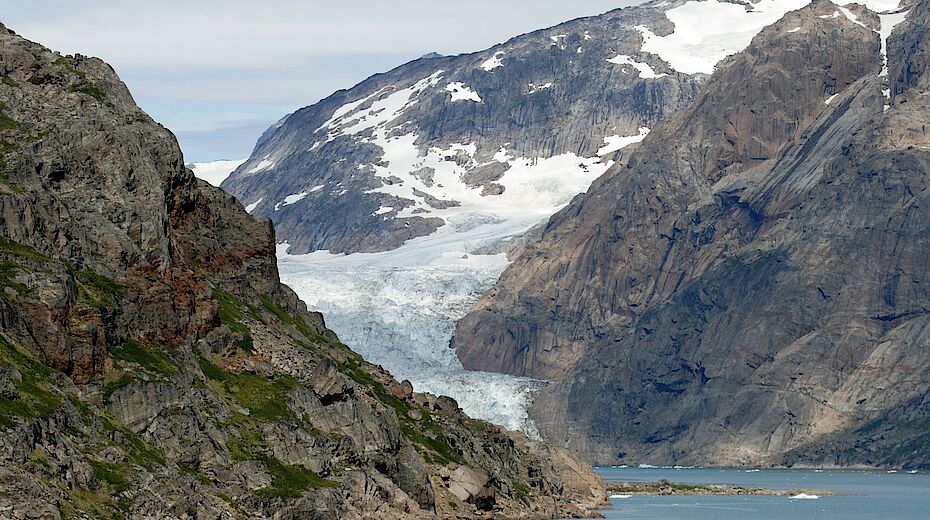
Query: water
{"x": 859, "y": 495}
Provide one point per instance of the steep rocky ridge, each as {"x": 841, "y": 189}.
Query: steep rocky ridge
{"x": 750, "y": 287}
{"x": 431, "y": 143}
{"x": 152, "y": 364}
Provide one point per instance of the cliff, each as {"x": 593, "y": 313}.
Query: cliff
{"x": 750, "y": 288}
{"x": 152, "y": 364}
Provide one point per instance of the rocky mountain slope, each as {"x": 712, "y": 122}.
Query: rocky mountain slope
{"x": 470, "y": 155}
{"x": 451, "y": 143}
{"x": 751, "y": 287}
{"x": 152, "y": 365}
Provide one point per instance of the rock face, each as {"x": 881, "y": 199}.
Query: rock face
{"x": 152, "y": 364}
{"x": 751, "y": 287}
{"x": 442, "y": 141}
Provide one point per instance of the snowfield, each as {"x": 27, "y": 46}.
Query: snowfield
{"x": 708, "y": 31}
{"x": 215, "y": 172}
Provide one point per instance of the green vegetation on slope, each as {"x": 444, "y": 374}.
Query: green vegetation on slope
{"x": 155, "y": 360}
{"x": 231, "y": 312}
{"x": 34, "y": 399}
{"x": 265, "y": 400}
{"x": 425, "y": 434}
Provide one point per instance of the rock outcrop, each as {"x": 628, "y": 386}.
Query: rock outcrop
{"x": 751, "y": 287}
{"x": 152, "y": 364}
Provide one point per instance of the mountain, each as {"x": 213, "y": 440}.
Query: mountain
{"x": 751, "y": 286}
{"x": 500, "y": 138}
{"x": 410, "y": 194}
{"x": 152, "y": 364}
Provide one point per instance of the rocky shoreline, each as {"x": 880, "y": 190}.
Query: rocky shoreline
{"x": 666, "y": 488}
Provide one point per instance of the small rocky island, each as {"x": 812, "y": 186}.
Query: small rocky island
{"x": 664, "y": 487}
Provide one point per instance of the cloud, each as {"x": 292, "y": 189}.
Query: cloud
{"x": 246, "y": 61}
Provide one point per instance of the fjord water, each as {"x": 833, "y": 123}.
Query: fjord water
{"x": 858, "y": 495}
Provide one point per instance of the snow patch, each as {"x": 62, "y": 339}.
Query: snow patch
{"x": 830, "y": 99}
{"x": 215, "y": 172}
{"x": 316, "y": 188}
{"x": 852, "y": 17}
{"x": 460, "y": 92}
{"x": 293, "y": 199}
{"x": 262, "y": 165}
{"x": 493, "y": 62}
{"x": 617, "y": 142}
{"x": 708, "y": 31}
{"x": 645, "y": 71}
{"x": 879, "y": 6}
{"x": 888, "y": 23}
{"x": 502, "y": 156}
{"x": 796, "y": 29}
{"x": 382, "y": 210}
{"x": 251, "y": 207}
{"x": 534, "y": 88}
{"x": 351, "y": 118}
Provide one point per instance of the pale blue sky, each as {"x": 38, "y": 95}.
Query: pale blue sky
{"x": 218, "y": 72}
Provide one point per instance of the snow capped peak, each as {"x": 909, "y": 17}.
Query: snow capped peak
{"x": 878, "y": 6}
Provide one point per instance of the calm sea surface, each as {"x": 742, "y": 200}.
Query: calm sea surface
{"x": 859, "y": 495}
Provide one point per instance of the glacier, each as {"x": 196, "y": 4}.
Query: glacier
{"x": 399, "y": 308}
{"x": 402, "y": 318}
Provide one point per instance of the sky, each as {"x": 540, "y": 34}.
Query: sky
{"x": 219, "y": 72}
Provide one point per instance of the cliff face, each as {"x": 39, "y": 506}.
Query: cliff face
{"x": 750, "y": 288}
{"x": 151, "y": 363}
{"x": 441, "y": 140}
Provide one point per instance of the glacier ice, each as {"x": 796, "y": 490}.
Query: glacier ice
{"x": 403, "y": 317}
